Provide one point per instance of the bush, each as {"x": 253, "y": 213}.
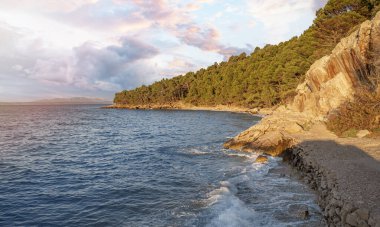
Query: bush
{"x": 361, "y": 113}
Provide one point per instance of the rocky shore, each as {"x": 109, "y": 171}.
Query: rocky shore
{"x": 185, "y": 106}
{"x": 345, "y": 172}
{"x": 346, "y": 179}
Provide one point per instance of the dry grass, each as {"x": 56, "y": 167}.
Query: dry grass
{"x": 361, "y": 113}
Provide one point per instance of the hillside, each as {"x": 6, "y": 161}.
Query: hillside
{"x": 73, "y": 100}
{"x": 266, "y": 77}
{"x": 342, "y": 88}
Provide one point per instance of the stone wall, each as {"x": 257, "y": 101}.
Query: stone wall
{"x": 336, "y": 210}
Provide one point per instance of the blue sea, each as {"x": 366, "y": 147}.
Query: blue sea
{"x": 80, "y": 165}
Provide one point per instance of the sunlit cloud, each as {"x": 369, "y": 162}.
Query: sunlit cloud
{"x": 280, "y": 17}
{"x": 98, "y": 47}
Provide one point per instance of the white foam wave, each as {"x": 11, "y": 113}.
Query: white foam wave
{"x": 197, "y": 151}
{"x": 249, "y": 155}
{"x": 227, "y": 208}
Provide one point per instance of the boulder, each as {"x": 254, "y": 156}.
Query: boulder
{"x": 352, "y": 219}
{"x": 363, "y": 133}
{"x": 300, "y": 211}
{"x": 363, "y": 213}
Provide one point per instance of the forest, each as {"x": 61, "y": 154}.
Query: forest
{"x": 266, "y": 77}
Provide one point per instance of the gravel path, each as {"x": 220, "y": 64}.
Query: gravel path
{"x": 345, "y": 172}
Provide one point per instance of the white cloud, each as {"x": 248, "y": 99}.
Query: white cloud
{"x": 280, "y": 16}
{"x": 102, "y": 46}
{"x": 45, "y": 5}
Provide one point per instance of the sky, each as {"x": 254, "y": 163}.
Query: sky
{"x": 94, "y": 48}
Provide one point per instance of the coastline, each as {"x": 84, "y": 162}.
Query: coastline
{"x": 344, "y": 172}
{"x": 317, "y": 156}
{"x": 182, "y": 106}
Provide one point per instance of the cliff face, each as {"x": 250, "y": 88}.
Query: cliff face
{"x": 334, "y": 78}
{"x": 329, "y": 82}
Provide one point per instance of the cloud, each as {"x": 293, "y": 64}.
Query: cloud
{"x": 104, "y": 68}
{"x": 46, "y": 5}
{"x": 102, "y": 46}
{"x": 206, "y": 39}
{"x": 100, "y": 16}
{"x": 178, "y": 22}
{"x": 110, "y": 64}
{"x": 281, "y": 16}
{"x": 87, "y": 66}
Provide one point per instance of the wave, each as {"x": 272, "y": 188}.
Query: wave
{"x": 226, "y": 208}
{"x": 196, "y": 151}
{"x": 252, "y": 196}
{"x": 247, "y": 155}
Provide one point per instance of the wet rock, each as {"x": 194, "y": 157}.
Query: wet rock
{"x": 299, "y": 210}
{"x": 261, "y": 159}
{"x": 282, "y": 171}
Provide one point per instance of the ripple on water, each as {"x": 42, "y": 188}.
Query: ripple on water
{"x": 81, "y": 165}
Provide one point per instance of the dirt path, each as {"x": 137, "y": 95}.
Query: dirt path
{"x": 346, "y": 173}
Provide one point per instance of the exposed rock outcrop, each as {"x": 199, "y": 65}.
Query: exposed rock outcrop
{"x": 329, "y": 82}
{"x": 345, "y": 178}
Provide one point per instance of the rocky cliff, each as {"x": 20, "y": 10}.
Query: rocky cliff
{"x": 329, "y": 82}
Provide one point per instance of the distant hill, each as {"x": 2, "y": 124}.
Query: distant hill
{"x": 74, "y": 100}
{"x": 62, "y": 101}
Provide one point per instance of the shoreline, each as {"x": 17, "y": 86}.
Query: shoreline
{"x": 337, "y": 199}
{"x": 262, "y": 112}
{"x": 344, "y": 173}
{"x": 353, "y": 202}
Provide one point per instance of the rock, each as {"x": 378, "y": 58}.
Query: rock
{"x": 254, "y": 111}
{"x": 363, "y": 133}
{"x": 331, "y": 212}
{"x": 362, "y": 223}
{"x": 304, "y": 214}
{"x": 352, "y": 219}
{"x": 293, "y": 127}
{"x": 337, "y": 211}
{"x": 330, "y": 81}
{"x": 336, "y": 220}
{"x": 299, "y": 210}
{"x": 374, "y": 221}
{"x": 261, "y": 159}
{"x": 363, "y": 213}
{"x": 377, "y": 118}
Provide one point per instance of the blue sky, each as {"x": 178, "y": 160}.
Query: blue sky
{"x": 94, "y": 48}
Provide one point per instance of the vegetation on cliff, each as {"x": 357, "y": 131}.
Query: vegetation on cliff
{"x": 361, "y": 113}
{"x": 266, "y": 77}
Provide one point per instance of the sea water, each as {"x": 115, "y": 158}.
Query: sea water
{"x": 77, "y": 165}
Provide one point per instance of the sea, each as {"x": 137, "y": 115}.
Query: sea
{"x": 80, "y": 165}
